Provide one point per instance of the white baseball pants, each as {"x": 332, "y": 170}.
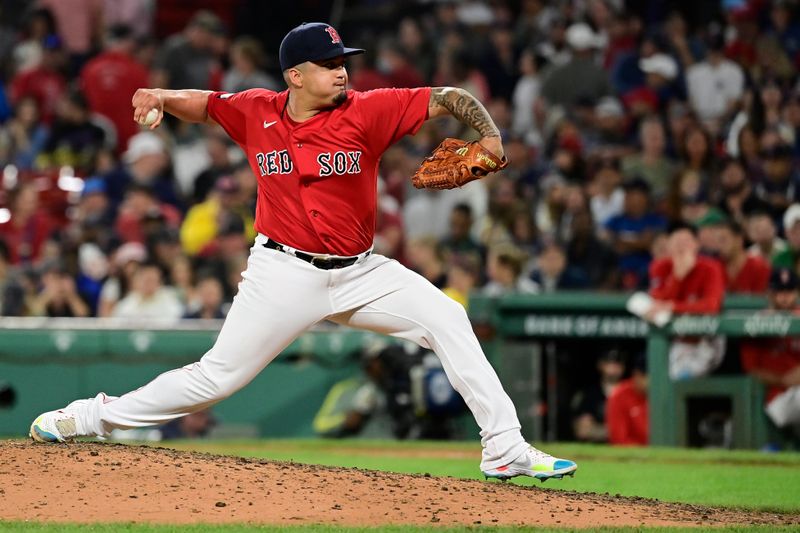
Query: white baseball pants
{"x": 279, "y": 298}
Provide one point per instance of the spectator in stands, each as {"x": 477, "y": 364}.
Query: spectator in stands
{"x": 27, "y": 53}
{"x": 24, "y": 137}
{"x": 589, "y": 404}
{"x": 147, "y": 163}
{"x": 94, "y": 206}
{"x": 164, "y": 247}
{"x": 687, "y": 282}
{"x": 504, "y": 272}
{"x": 12, "y": 294}
{"x": 80, "y": 25}
{"x": 415, "y": 45}
{"x": 580, "y": 77}
{"x": 499, "y": 63}
{"x": 661, "y": 72}
{"x": 553, "y": 273}
{"x": 44, "y": 82}
{"x": 58, "y": 296}
{"x": 592, "y": 262}
{"x": 776, "y": 361}
{"x": 187, "y": 59}
{"x": 181, "y": 276}
{"x": 209, "y": 296}
{"x": 696, "y": 152}
{"x": 109, "y": 80}
{"x": 611, "y": 135}
{"x": 761, "y": 231}
{"x": 788, "y": 257}
{"x": 651, "y": 162}
{"x": 525, "y": 94}
{"x": 75, "y": 139}
{"x": 218, "y": 147}
{"x": 738, "y": 198}
{"x": 781, "y": 184}
{"x": 247, "y": 62}
{"x": 627, "y": 412}
{"x": 29, "y": 225}
{"x": 605, "y": 190}
{"x": 124, "y": 263}
{"x": 744, "y": 273}
{"x": 631, "y": 233}
{"x": 148, "y": 297}
{"x": 688, "y": 199}
{"x": 394, "y": 65}
{"x": 707, "y": 228}
{"x": 424, "y": 256}
{"x": 93, "y": 268}
{"x": 459, "y": 240}
{"x": 204, "y": 220}
{"x": 142, "y": 214}
{"x": 463, "y": 275}
{"x": 715, "y": 85}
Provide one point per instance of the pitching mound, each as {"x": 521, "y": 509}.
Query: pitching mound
{"x": 93, "y": 482}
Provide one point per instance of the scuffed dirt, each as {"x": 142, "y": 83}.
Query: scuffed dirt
{"x": 98, "y": 482}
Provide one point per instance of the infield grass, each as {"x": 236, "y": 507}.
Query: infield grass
{"x": 744, "y": 479}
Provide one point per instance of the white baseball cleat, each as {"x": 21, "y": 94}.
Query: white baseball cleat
{"x": 57, "y": 426}
{"x": 534, "y": 463}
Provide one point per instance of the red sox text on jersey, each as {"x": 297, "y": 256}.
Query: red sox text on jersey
{"x": 339, "y": 163}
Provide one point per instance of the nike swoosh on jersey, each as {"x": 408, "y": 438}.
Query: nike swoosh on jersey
{"x": 268, "y": 124}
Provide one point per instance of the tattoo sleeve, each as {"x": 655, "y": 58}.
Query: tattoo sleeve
{"x": 466, "y": 108}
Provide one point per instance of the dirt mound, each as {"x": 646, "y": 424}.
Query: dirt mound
{"x": 93, "y": 482}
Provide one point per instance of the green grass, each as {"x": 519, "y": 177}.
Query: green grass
{"x": 14, "y": 527}
{"x": 744, "y": 479}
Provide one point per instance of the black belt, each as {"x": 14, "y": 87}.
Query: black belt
{"x": 321, "y": 262}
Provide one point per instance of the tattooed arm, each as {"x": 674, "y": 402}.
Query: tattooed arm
{"x": 467, "y": 109}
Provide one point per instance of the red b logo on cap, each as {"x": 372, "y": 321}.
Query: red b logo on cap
{"x": 334, "y": 35}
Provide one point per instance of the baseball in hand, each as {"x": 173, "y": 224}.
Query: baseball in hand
{"x": 151, "y": 117}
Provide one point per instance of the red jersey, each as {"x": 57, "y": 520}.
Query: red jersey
{"x": 752, "y": 278}
{"x": 109, "y": 81}
{"x": 700, "y": 291}
{"x": 627, "y": 415}
{"x": 45, "y": 86}
{"x": 317, "y": 180}
{"x": 25, "y": 241}
{"x": 777, "y": 355}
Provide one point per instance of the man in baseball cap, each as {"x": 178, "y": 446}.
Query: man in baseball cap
{"x": 783, "y": 285}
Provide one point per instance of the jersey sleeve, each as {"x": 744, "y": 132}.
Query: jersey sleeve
{"x": 231, "y": 111}
{"x": 389, "y": 114}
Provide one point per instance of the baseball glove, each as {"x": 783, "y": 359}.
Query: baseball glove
{"x": 455, "y": 163}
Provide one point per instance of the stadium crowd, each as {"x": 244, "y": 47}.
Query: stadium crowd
{"x": 620, "y": 119}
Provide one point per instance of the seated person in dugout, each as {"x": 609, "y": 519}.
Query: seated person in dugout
{"x": 685, "y": 282}
{"x": 627, "y": 415}
{"x": 589, "y": 404}
{"x": 776, "y": 361}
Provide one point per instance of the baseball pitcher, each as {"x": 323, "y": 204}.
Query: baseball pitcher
{"x": 315, "y": 149}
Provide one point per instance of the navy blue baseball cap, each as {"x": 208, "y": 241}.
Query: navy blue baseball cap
{"x": 312, "y": 41}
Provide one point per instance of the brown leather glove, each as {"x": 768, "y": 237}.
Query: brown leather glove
{"x": 455, "y": 163}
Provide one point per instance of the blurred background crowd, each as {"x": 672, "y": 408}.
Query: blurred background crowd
{"x": 620, "y": 119}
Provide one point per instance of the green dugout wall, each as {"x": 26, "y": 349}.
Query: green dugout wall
{"x": 50, "y": 362}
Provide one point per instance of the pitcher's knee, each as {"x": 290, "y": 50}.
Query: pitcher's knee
{"x": 219, "y": 383}
{"x": 447, "y": 315}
